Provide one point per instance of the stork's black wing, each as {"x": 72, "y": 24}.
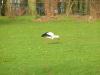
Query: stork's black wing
{"x": 45, "y": 34}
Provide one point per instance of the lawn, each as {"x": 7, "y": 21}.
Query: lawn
{"x": 24, "y": 52}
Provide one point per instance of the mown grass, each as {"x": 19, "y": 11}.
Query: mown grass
{"x": 24, "y": 52}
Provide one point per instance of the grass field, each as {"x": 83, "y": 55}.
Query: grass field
{"x": 24, "y": 52}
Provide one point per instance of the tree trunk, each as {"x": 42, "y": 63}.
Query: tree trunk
{"x": 69, "y": 7}
{"x": 4, "y": 8}
{"x": 50, "y": 7}
{"x": 32, "y": 7}
{"x": 47, "y": 8}
{"x": 0, "y": 6}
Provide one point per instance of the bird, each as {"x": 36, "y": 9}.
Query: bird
{"x": 50, "y": 35}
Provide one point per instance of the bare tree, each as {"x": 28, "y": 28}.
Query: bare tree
{"x": 69, "y": 6}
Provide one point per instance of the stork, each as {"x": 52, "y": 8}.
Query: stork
{"x": 50, "y": 35}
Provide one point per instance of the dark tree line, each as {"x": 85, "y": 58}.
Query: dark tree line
{"x": 51, "y": 7}
{"x": 13, "y": 7}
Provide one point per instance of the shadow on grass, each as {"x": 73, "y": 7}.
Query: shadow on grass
{"x": 55, "y": 43}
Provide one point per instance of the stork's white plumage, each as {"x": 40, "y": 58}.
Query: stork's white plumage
{"x": 50, "y": 35}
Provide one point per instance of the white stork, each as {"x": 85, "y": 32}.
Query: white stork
{"x": 50, "y": 35}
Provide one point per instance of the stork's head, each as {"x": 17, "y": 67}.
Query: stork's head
{"x": 56, "y": 36}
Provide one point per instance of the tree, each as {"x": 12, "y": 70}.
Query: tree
{"x": 32, "y": 7}
{"x": 0, "y": 6}
{"x": 3, "y": 7}
{"x": 50, "y": 7}
{"x": 69, "y": 6}
{"x": 95, "y": 8}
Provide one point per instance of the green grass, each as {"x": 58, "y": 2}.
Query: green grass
{"x": 24, "y": 52}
